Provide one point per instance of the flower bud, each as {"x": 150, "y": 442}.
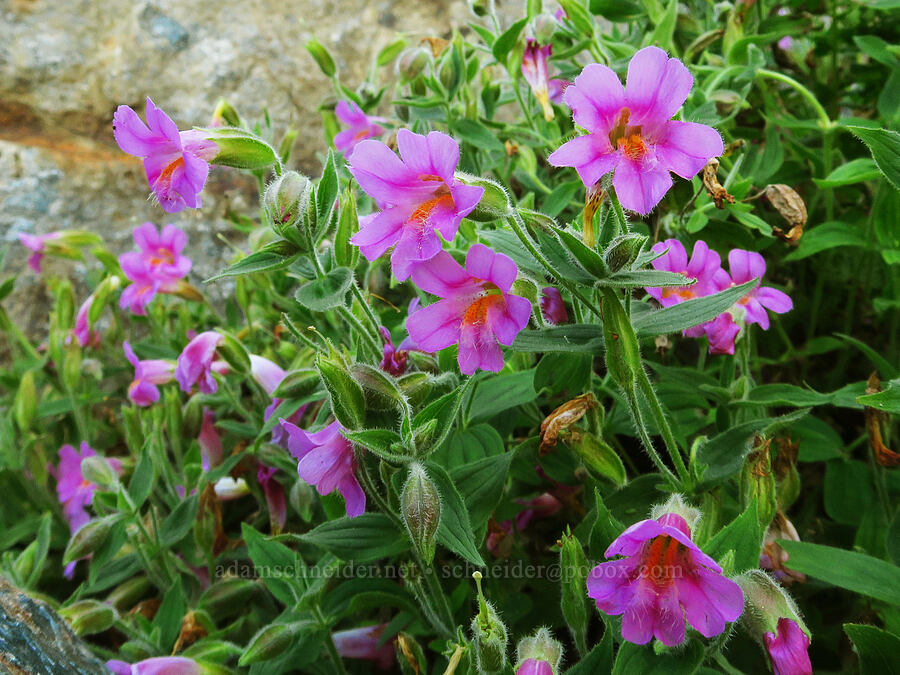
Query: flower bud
{"x": 240, "y": 149}
{"x": 88, "y": 616}
{"x": 379, "y": 388}
{"x": 71, "y": 370}
{"x": 96, "y": 469}
{"x": 322, "y": 57}
{"x": 676, "y": 504}
{"x": 234, "y": 353}
{"x": 758, "y": 482}
{"x": 543, "y": 26}
{"x": 771, "y": 617}
{"x": 348, "y": 402}
{"x": 539, "y": 649}
{"x": 623, "y": 251}
{"x": 89, "y": 537}
{"x": 25, "y": 403}
{"x": 412, "y": 63}
{"x": 228, "y": 596}
{"x": 573, "y": 567}
{"x": 303, "y": 499}
{"x": 271, "y": 641}
{"x": 297, "y": 384}
{"x": 225, "y": 115}
{"x": 420, "y": 504}
{"x": 409, "y": 655}
{"x": 479, "y": 8}
{"x": 535, "y": 220}
{"x": 623, "y": 354}
{"x": 494, "y": 203}
{"x": 285, "y": 201}
{"x": 124, "y": 596}
{"x": 489, "y": 634}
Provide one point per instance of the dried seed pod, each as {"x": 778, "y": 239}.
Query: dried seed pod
{"x": 791, "y": 207}
{"x": 713, "y": 188}
{"x": 562, "y": 418}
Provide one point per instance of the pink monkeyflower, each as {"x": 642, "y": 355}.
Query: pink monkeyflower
{"x": 74, "y": 492}
{"x": 158, "y": 267}
{"x": 326, "y": 460}
{"x": 209, "y": 440}
{"x": 537, "y": 74}
{"x": 82, "y": 330}
{"x": 477, "y": 310}
{"x": 788, "y": 649}
{"x": 705, "y": 267}
{"x": 363, "y": 643}
{"x": 534, "y": 667}
{"x": 663, "y": 579}
{"x": 275, "y": 499}
{"x": 747, "y": 265}
{"x": 360, "y": 126}
{"x": 195, "y": 363}
{"x": 159, "y": 665}
{"x": 147, "y": 375}
{"x": 393, "y": 361}
{"x": 721, "y": 333}
{"x": 269, "y": 375}
{"x": 631, "y": 131}
{"x": 35, "y": 243}
{"x": 552, "y": 306}
{"x": 419, "y": 197}
{"x": 543, "y": 506}
{"x": 176, "y": 162}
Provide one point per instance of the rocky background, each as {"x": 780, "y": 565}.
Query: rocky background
{"x": 66, "y": 64}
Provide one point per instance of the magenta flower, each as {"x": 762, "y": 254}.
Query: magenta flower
{"x": 159, "y": 665}
{"x": 275, "y": 499}
{"x": 147, "y": 375}
{"x": 176, "y": 162}
{"x": 747, "y": 265}
{"x": 721, "y": 333}
{"x": 363, "y": 643}
{"x": 630, "y": 130}
{"x": 82, "y": 330}
{"x": 360, "y": 126}
{"x": 418, "y": 195}
{"x": 327, "y": 461}
{"x": 705, "y": 266}
{"x": 393, "y": 361}
{"x": 74, "y": 492}
{"x": 195, "y": 363}
{"x": 537, "y": 74}
{"x": 534, "y": 667}
{"x": 663, "y": 579}
{"x": 158, "y": 267}
{"x": 788, "y": 649}
{"x": 552, "y": 306}
{"x": 269, "y": 375}
{"x": 209, "y": 441}
{"x": 35, "y": 243}
{"x": 477, "y": 310}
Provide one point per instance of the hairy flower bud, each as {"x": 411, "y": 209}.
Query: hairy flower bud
{"x": 489, "y": 634}
{"x": 348, "y": 402}
{"x": 271, "y": 641}
{"x": 95, "y": 469}
{"x": 758, "y": 482}
{"x": 494, "y": 203}
{"x": 228, "y": 596}
{"x": 89, "y": 537}
{"x": 420, "y": 504}
{"x": 623, "y": 251}
{"x": 240, "y": 149}
{"x": 541, "y": 647}
{"x": 412, "y": 63}
{"x": 88, "y": 616}
{"x": 285, "y": 201}
{"x": 676, "y": 504}
{"x": 25, "y": 403}
{"x": 573, "y": 567}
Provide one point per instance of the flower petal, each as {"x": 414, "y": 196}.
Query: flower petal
{"x": 507, "y": 320}
{"x": 745, "y": 265}
{"x": 591, "y": 155}
{"x": 478, "y": 348}
{"x": 686, "y": 147}
{"x": 382, "y": 175}
{"x": 596, "y": 98}
{"x": 774, "y": 300}
{"x": 437, "y": 326}
{"x": 497, "y": 268}
{"x": 640, "y": 187}
{"x": 443, "y": 276}
{"x": 379, "y": 231}
{"x": 656, "y": 86}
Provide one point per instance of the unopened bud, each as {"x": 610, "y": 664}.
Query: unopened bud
{"x": 303, "y": 499}
{"x": 88, "y": 616}
{"x": 124, "y": 596}
{"x": 479, "y": 8}
{"x": 623, "y": 354}
{"x": 420, "y": 504}
{"x": 543, "y": 27}
{"x": 380, "y": 390}
{"x": 225, "y": 115}
{"x": 25, "y": 403}
{"x": 96, "y": 470}
{"x": 228, "y": 596}
{"x": 285, "y": 201}
{"x": 412, "y": 63}
{"x": 676, "y": 504}
{"x": 575, "y": 605}
{"x": 348, "y": 402}
{"x": 494, "y": 203}
{"x": 536, "y": 220}
{"x": 322, "y": 57}
{"x": 489, "y": 634}
{"x": 240, "y": 149}
{"x": 623, "y": 251}
{"x": 541, "y": 647}
{"x": 271, "y": 641}
{"x": 89, "y": 537}
{"x": 758, "y": 482}
{"x": 234, "y": 353}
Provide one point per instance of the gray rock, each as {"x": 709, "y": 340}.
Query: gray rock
{"x": 35, "y": 640}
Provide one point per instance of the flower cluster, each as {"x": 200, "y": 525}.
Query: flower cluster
{"x": 705, "y": 268}
{"x": 158, "y": 267}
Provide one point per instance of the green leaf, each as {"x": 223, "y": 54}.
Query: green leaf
{"x": 724, "y": 454}
{"x": 178, "y": 523}
{"x": 167, "y": 620}
{"x": 855, "y": 171}
{"x": 345, "y": 253}
{"x": 497, "y": 394}
{"x": 598, "y": 660}
{"x": 474, "y": 132}
{"x": 280, "y": 568}
{"x": 639, "y": 278}
{"x": 665, "y": 30}
{"x": 367, "y": 537}
{"x": 691, "y": 313}
{"x": 561, "y": 197}
{"x": 856, "y": 572}
{"x": 847, "y": 490}
{"x": 567, "y": 338}
{"x": 272, "y": 256}
{"x": 455, "y": 528}
{"x": 142, "y": 479}
{"x": 599, "y": 458}
{"x": 561, "y": 372}
{"x": 326, "y": 293}
{"x": 633, "y": 659}
{"x": 886, "y": 401}
{"x": 480, "y": 483}
{"x": 885, "y": 367}
{"x": 505, "y": 43}
{"x": 828, "y": 236}
{"x": 743, "y": 536}
{"x": 885, "y": 148}
{"x": 579, "y": 16}
{"x": 326, "y": 193}
{"x": 878, "y": 650}
{"x": 468, "y": 445}
{"x": 784, "y": 395}
{"x": 877, "y": 48}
